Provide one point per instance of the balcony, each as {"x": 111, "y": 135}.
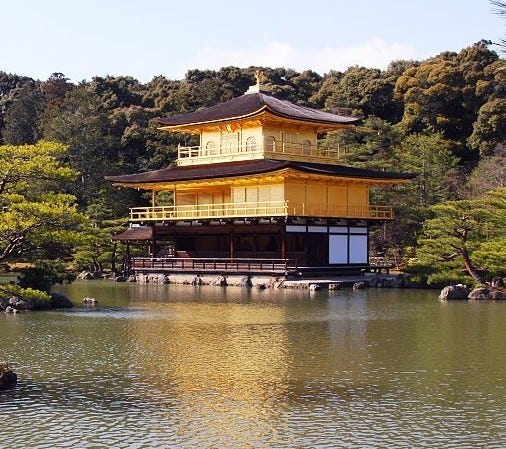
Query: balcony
{"x": 286, "y": 151}
{"x": 256, "y": 210}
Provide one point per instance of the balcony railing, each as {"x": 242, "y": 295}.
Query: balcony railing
{"x": 220, "y": 265}
{"x": 268, "y": 150}
{"x": 257, "y": 209}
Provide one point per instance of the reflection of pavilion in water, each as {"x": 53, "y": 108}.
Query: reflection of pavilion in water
{"x": 225, "y": 363}
{"x": 230, "y": 363}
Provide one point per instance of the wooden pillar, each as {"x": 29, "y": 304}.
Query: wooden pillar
{"x": 283, "y": 242}
{"x": 153, "y": 243}
{"x": 231, "y": 236}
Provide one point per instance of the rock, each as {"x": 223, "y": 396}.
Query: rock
{"x": 8, "y": 378}
{"x": 459, "y": 291}
{"x": 10, "y": 309}
{"x": 497, "y": 281}
{"x": 481, "y": 293}
{"x": 90, "y": 301}
{"x": 132, "y": 278}
{"x": 60, "y": 301}
{"x": 197, "y": 280}
{"x": 245, "y": 281}
{"x": 89, "y": 275}
{"x": 335, "y": 286}
{"x": 19, "y": 304}
{"x": 497, "y": 295}
{"x": 314, "y": 287}
{"x": 120, "y": 279}
{"x": 358, "y": 285}
{"x": 221, "y": 281}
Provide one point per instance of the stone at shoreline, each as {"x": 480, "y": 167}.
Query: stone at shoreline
{"x": 89, "y": 275}
{"x": 497, "y": 281}
{"x": 8, "y": 378}
{"x": 60, "y": 301}
{"x": 15, "y": 304}
{"x": 90, "y": 301}
{"x": 459, "y": 291}
{"x": 359, "y": 285}
{"x": 483, "y": 293}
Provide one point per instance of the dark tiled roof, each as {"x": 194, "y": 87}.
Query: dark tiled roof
{"x": 244, "y": 168}
{"x": 136, "y": 233}
{"x": 252, "y": 104}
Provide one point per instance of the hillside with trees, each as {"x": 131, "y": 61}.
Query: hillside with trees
{"x": 443, "y": 118}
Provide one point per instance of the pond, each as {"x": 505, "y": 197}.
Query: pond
{"x": 168, "y": 366}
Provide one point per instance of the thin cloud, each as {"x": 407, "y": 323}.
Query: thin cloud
{"x": 374, "y": 53}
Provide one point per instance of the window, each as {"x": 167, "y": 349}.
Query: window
{"x": 251, "y": 144}
{"x": 306, "y": 147}
{"x": 270, "y": 143}
{"x": 210, "y": 147}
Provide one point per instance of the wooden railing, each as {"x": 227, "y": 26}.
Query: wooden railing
{"x": 257, "y": 209}
{"x": 239, "y": 265}
{"x": 278, "y": 150}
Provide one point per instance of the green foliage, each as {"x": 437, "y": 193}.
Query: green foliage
{"x": 490, "y": 173}
{"x": 23, "y": 114}
{"x": 441, "y": 95}
{"x": 457, "y": 240}
{"x": 43, "y": 275}
{"x": 36, "y": 222}
{"x": 36, "y": 299}
{"x": 430, "y": 156}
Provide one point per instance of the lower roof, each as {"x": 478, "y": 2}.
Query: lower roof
{"x": 254, "y": 167}
{"x": 135, "y": 234}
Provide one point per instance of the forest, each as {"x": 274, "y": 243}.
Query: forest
{"x": 443, "y": 118}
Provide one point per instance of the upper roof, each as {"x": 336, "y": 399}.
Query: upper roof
{"x": 252, "y": 167}
{"x": 252, "y": 104}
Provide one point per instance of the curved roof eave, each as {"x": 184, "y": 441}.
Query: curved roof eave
{"x": 248, "y": 168}
{"x": 251, "y": 105}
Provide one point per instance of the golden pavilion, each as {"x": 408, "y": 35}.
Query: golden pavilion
{"x": 256, "y": 195}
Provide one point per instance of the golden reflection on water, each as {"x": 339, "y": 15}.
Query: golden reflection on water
{"x": 228, "y": 360}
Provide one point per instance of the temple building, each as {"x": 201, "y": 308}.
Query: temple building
{"x": 257, "y": 194}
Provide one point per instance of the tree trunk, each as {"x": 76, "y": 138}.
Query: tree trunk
{"x": 470, "y": 268}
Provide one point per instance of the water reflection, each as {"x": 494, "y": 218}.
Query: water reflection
{"x": 203, "y": 367}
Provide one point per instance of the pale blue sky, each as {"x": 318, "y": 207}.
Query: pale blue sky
{"x": 84, "y": 38}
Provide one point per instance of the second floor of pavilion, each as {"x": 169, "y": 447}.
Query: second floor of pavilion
{"x": 256, "y": 125}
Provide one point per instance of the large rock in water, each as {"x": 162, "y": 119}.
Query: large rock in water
{"x": 459, "y": 291}
{"x": 8, "y": 378}
{"x": 487, "y": 293}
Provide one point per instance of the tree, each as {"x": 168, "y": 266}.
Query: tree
{"x": 83, "y": 126}
{"x": 490, "y": 173}
{"x": 22, "y": 115}
{"x": 443, "y": 94}
{"x": 36, "y": 222}
{"x": 456, "y": 241}
{"x": 365, "y": 91}
{"x": 430, "y": 156}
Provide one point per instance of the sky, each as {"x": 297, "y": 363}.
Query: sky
{"x": 147, "y": 38}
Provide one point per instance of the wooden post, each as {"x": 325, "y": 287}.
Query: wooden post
{"x": 231, "y": 243}
{"x": 283, "y": 242}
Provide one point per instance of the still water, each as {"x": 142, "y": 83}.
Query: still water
{"x": 210, "y": 367}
